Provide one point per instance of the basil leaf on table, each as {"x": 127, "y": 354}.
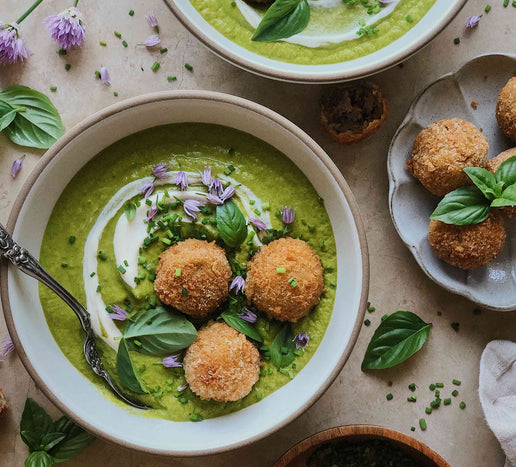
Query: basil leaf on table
{"x": 231, "y": 224}
{"x": 160, "y": 332}
{"x": 463, "y": 206}
{"x": 76, "y": 440}
{"x": 396, "y": 339}
{"x": 7, "y": 118}
{"x": 39, "y": 459}
{"x": 283, "y": 347}
{"x": 126, "y": 371}
{"x": 233, "y": 320}
{"x": 50, "y": 440}
{"x": 506, "y": 173}
{"x": 507, "y": 198}
{"x": 485, "y": 181}
{"x": 283, "y": 19}
{"x": 39, "y": 125}
{"x": 31, "y": 439}
{"x": 35, "y": 420}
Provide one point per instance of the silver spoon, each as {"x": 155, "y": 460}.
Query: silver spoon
{"x": 26, "y": 263}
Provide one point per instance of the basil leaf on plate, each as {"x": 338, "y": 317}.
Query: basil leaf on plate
{"x": 76, "y": 440}
{"x": 507, "y": 198}
{"x": 485, "y": 181}
{"x": 160, "y": 332}
{"x": 463, "y": 206}
{"x": 39, "y": 125}
{"x": 130, "y": 211}
{"x": 506, "y": 173}
{"x": 233, "y": 320}
{"x": 231, "y": 224}
{"x": 126, "y": 371}
{"x": 283, "y": 19}
{"x": 396, "y": 339}
{"x": 283, "y": 347}
{"x": 35, "y": 419}
{"x": 39, "y": 459}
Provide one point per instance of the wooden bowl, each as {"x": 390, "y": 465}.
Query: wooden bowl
{"x": 299, "y": 454}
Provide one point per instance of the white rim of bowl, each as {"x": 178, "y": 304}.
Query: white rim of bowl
{"x": 287, "y": 125}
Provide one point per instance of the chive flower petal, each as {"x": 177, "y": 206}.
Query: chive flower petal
{"x": 181, "y": 180}
{"x": 12, "y": 49}
{"x": 151, "y": 213}
{"x": 152, "y": 20}
{"x": 146, "y": 189}
{"x": 472, "y": 21}
{"x": 227, "y": 193}
{"x": 160, "y": 170}
{"x": 67, "y": 28}
{"x": 301, "y": 340}
{"x": 153, "y": 40}
{"x": 104, "y": 76}
{"x": 237, "y": 284}
{"x": 7, "y": 347}
{"x": 248, "y": 315}
{"x": 191, "y": 206}
{"x": 206, "y": 177}
{"x": 172, "y": 362}
{"x": 16, "y": 167}
{"x": 213, "y": 199}
{"x": 259, "y": 224}
{"x": 288, "y": 215}
{"x": 216, "y": 187}
{"x": 118, "y": 313}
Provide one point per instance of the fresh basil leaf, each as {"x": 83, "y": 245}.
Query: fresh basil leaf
{"x": 31, "y": 439}
{"x": 507, "y": 198}
{"x": 76, "y": 440}
{"x": 40, "y": 125}
{"x": 6, "y": 119}
{"x": 49, "y": 440}
{"x": 64, "y": 425}
{"x": 283, "y": 19}
{"x": 39, "y": 459}
{"x": 283, "y": 347}
{"x": 233, "y": 320}
{"x": 126, "y": 371}
{"x": 130, "y": 211}
{"x": 35, "y": 419}
{"x": 160, "y": 332}
{"x": 463, "y": 206}
{"x": 506, "y": 173}
{"x": 484, "y": 180}
{"x": 231, "y": 224}
{"x": 397, "y": 338}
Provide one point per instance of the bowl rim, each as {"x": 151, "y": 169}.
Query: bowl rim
{"x": 344, "y": 431}
{"x": 394, "y": 185}
{"x": 220, "y": 98}
{"x": 307, "y": 77}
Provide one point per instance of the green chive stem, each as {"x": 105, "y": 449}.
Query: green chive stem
{"x": 29, "y": 11}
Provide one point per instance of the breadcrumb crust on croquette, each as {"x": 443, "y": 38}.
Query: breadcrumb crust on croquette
{"x": 204, "y": 272}
{"x": 271, "y": 291}
{"x": 443, "y": 150}
{"x": 468, "y": 246}
{"x": 221, "y": 364}
{"x": 506, "y": 109}
{"x": 492, "y": 166}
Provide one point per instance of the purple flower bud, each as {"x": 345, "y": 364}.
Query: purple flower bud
{"x": 12, "y": 49}
{"x": 146, "y": 189}
{"x": 160, "y": 170}
{"x": 16, "y": 167}
{"x": 117, "y": 313}
{"x": 172, "y": 362}
{"x": 206, "y": 177}
{"x": 151, "y": 213}
{"x": 67, "y": 28}
{"x": 216, "y": 187}
{"x": 104, "y": 76}
{"x": 153, "y": 40}
{"x": 248, "y": 315}
{"x": 259, "y": 224}
{"x": 213, "y": 199}
{"x": 182, "y": 180}
{"x": 191, "y": 206}
{"x": 472, "y": 21}
{"x": 237, "y": 284}
{"x": 152, "y": 20}
{"x": 288, "y": 215}
{"x": 301, "y": 340}
{"x": 227, "y": 193}
{"x": 7, "y": 347}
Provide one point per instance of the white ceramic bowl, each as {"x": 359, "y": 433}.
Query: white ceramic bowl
{"x": 480, "y": 80}
{"x": 82, "y": 400}
{"x": 441, "y": 13}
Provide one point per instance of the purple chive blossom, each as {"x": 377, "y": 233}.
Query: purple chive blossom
{"x": 216, "y": 187}
{"x": 104, "y": 76}
{"x": 288, "y": 215}
{"x": 182, "y": 387}
{"x": 7, "y": 347}
{"x": 146, "y": 189}
{"x": 182, "y": 180}
{"x": 206, "y": 177}
{"x": 237, "y": 284}
{"x": 259, "y": 224}
{"x": 472, "y": 21}
{"x": 118, "y": 313}
{"x": 191, "y": 206}
{"x": 151, "y": 213}
{"x": 248, "y": 315}
{"x": 227, "y": 193}
{"x": 153, "y": 40}
{"x": 301, "y": 340}
{"x": 172, "y": 362}
{"x": 160, "y": 170}
{"x": 152, "y": 20}
{"x": 67, "y": 28}
{"x": 213, "y": 199}
{"x": 16, "y": 167}
{"x": 12, "y": 49}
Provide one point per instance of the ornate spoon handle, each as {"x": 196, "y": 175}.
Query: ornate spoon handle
{"x": 26, "y": 263}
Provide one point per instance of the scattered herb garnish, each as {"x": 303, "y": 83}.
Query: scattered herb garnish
{"x": 284, "y": 18}
{"x": 283, "y": 347}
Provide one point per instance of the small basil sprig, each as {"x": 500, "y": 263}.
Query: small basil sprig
{"x": 29, "y": 118}
{"x": 472, "y": 204}
{"x": 231, "y": 224}
{"x": 126, "y": 371}
{"x": 130, "y": 211}
{"x": 283, "y": 347}
{"x": 398, "y": 337}
{"x": 232, "y": 319}
{"x": 50, "y": 442}
{"x": 283, "y": 19}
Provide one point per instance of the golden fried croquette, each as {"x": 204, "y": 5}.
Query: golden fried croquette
{"x": 3, "y": 403}
{"x": 506, "y": 109}
{"x": 352, "y": 113}
{"x": 193, "y": 276}
{"x": 221, "y": 364}
{"x": 468, "y": 246}
{"x": 492, "y": 165}
{"x": 443, "y": 150}
{"x": 289, "y": 295}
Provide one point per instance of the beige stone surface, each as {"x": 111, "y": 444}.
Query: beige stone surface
{"x": 461, "y": 436}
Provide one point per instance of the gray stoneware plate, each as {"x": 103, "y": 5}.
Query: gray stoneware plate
{"x": 410, "y": 204}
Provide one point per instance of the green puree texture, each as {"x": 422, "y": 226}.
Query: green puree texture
{"x": 189, "y": 147}
{"x": 228, "y": 20}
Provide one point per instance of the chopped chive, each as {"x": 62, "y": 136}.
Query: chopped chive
{"x": 455, "y": 326}
{"x": 422, "y": 424}
{"x": 92, "y": 274}
{"x": 122, "y": 269}
{"x": 439, "y": 385}
{"x": 293, "y": 282}
{"x": 99, "y": 288}
{"x": 126, "y": 264}
{"x": 389, "y": 383}
{"x": 171, "y": 78}
{"x": 259, "y": 396}
{"x": 115, "y": 94}
{"x": 72, "y": 239}
{"x": 431, "y": 387}
{"x": 68, "y": 67}
{"x": 131, "y": 12}
{"x": 412, "y": 428}
{"x": 456, "y": 41}
{"x": 455, "y": 393}
{"x": 62, "y": 52}
{"x": 257, "y": 211}
{"x": 462, "y": 405}
{"x": 447, "y": 401}
{"x": 412, "y": 387}
{"x": 64, "y": 264}
{"x": 53, "y": 88}
{"x": 195, "y": 417}
{"x": 389, "y": 396}
{"x": 97, "y": 74}
{"x": 367, "y": 322}
{"x": 188, "y": 67}
{"x": 178, "y": 272}
{"x": 102, "y": 43}
{"x": 281, "y": 270}
{"x": 384, "y": 317}
{"x": 412, "y": 398}
{"x": 163, "y": 50}
{"x": 505, "y": 3}
{"x": 266, "y": 206}
{"x": 487, "y": 9}
{"x": 166, "y": 241}
{"x": 428, "y": 410}
{"x": 409, "y": 19}
{"x": 456, "y": 382}
{"x": 437, "y": 393}
{"x": 124, "y": 43}
{"x": 155, "y": 66}
{"x": 184, "y": 292}
{"x": 102, "y": 256}
{"x": 117, "y": 34}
